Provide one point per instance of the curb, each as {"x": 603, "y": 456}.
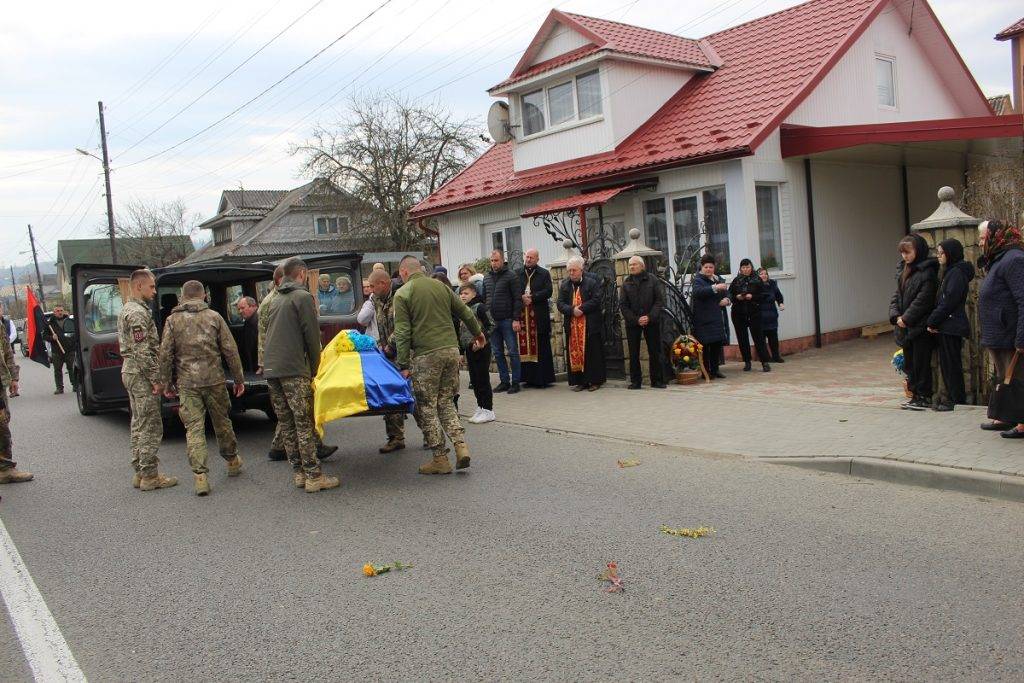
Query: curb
{"x": 912, "y": 474}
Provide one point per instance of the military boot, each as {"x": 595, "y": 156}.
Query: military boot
{"x": 321, "y": 483}
{"x": 277, "y": 455}
{"x": 299, "y": 479}
{"x": 136, "y": 480}
{"x": 13, "y": 476}
{"x": 235, "y": 466}
{"x": 439, "y": 465}
{"x": 392, "y": 445}
{"x": 157, "y": 481}
{"x": 461, "y": 455}
{"x": 202, "y": 485}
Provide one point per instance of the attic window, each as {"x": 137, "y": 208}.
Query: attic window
{"x": 885, "y": 80}
{"x": 561, "y": 104}
{"x": 331, "y": 225}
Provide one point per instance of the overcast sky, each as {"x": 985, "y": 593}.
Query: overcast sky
{"x": 148, "y": 61}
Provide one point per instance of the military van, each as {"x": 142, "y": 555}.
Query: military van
{"x": 100, "y": 291}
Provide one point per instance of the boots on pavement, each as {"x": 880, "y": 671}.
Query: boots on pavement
{"x": 136, "y": 480}
{"x": 321, "y": 483}
{"x": 157, "y": 481}
{"x": 461, "y": 455}
{"x": 299, "y": 479}
{"x": 391, "y": 446}
{"x": 202, "y": 485}
{"x": 14, "y": 475}
{"x": 235, "y": 466}
{"x": 440, "y": 464}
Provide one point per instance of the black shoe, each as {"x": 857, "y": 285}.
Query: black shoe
{"x": 633, "y": 386}
{"x": 502, "y": 387}
{"x": 996, "y": 426}
{"x": 659, "y": 385}
{"x": 917, "y": 404}
{"x": 513, "y": 389}
{"x": 276, "y": 455}
{"x": 579, "y": 387}
{"x": 765, "y": 367}
{"x": 718, "y": 375}
{"x": 746, "y": 367}
{"x": 325, "y": 451}
{"x": 1012, "y": 434}
{"x": 780, "y": 359}
{"x": 59, "y": 391}
{"x": 943, "y": 408}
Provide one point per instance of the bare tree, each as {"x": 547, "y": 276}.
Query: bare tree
{"x": 391, "y": 153}
{"x": 995, "y": 189}
{"x": 151, "y": 234}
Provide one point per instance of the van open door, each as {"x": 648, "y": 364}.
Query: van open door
{"x": 98, "y": 293}
{"x": 336, "y": 283}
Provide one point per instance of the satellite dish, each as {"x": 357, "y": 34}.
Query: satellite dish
{"x": 497, "y": 122}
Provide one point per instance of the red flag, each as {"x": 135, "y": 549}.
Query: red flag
{"x": 34, "y": 324}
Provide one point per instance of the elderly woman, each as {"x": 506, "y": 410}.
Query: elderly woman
{"x": 710, "y": 299}
{"x": 579, "y": 301}
{"x": 346, "y": 297}
{"x": 468, "y": 276}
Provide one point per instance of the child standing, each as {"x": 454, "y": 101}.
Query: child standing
{"x": 478, "y": 360}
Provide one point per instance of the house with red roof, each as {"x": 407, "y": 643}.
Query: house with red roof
{"x": 808, "y": 140}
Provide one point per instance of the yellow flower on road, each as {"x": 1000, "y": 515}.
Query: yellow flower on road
{"x": 369, "y": 570}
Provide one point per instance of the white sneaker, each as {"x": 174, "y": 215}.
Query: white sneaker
{"x": 486, "y": 416}
{"x": 476, "y": 416}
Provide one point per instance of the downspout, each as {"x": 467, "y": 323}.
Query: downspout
{"x": 906, "y": 200}
{"x": 814, "y": 253}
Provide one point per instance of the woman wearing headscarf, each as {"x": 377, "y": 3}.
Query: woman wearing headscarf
{"x": 1001, "y": 304}
{"x": 745, "y": 291}
{"x": 911, "y": 304}
{"x": 771, "y": 303}
{"x": 948, "y": 323}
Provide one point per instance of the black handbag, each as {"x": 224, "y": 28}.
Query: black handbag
{"x": 1007, "y": 401}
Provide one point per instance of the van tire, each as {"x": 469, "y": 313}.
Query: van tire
{"x": 85, "y": 406}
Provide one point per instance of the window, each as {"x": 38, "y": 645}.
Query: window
{"x": 335, "y": 292}
{"x": 102, "y": 307}
{"x": 232, "y": 294}
{"x": 508, "y": 240}
{"x": 533, "y": 112}
{"x": 331, "y": 225}
{"x": 769, "y": 226}
{"x": 578, "y": 99}
{"x": 222, "y": 234}
{"x": 885, "y": 80}
{"x": 689, "y": 213}
{"x": 588, "y": 94}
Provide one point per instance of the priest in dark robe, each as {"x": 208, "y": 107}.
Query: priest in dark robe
{"x": 536, "y": 362}
{"x": 579, "y": 301}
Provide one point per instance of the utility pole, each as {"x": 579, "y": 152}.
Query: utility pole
{"x": 35, "y": 260}
{"x": 14, "y": 286}
{"x": 106, "y": 178}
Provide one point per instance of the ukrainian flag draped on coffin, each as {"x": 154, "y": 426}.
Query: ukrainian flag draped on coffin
{"x": 354, "y": 377}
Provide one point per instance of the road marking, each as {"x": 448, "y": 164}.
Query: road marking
{"x": 44, "y": 646}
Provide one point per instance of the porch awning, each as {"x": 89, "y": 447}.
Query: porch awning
{"x": 801, "y": 140}
{"x": 577, "y": 201}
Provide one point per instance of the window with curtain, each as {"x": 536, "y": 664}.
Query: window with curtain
{"x": 655, "y": 226}
{"x": 533, "y": 112}
{"x": 560, "y": 105}
{"x": 716, "y": 221}
{"x": 885, "y": 80}
{"x": 686, "y": 222}
{"x": 769, "y": 226}
{"x": 588, "y": 94}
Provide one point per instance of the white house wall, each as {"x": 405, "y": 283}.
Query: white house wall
{"x": 847, "y": 95}
{"x": 561, "y": 40}
{"x": 636, "y": 91}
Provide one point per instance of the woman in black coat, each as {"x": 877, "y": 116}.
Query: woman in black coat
{"x": 948, "y": 323}
{"x": 709, "y": 300}
{"x": 911, "y": 304}
{"x": 745, "y": 291}
{"x": 771, "y": 303}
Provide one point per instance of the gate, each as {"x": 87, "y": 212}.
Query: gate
{"x": 611, "y": 334}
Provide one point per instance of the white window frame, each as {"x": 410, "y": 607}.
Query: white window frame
{"x": 781, "y": 268}
{"x": 341, "y": 224}
{"x": 575, "y": 120}
{"x": 503, "y": 231}
{"x": 891, "y": 59}
{"x": 670, "y": 224}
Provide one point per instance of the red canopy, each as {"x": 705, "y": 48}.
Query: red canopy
{"x": 577, "y": 201}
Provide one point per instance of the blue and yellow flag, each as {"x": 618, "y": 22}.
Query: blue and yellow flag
{"x": 354, "y": 377}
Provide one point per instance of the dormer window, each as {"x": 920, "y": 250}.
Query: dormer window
{"x": 577, "y": 99}
{"x": 331, "y": 225}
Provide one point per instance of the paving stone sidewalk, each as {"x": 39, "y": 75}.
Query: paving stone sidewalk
{"x": 817, "y": 404}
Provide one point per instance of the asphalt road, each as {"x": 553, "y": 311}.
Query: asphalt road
{"x": 810, "y": 576}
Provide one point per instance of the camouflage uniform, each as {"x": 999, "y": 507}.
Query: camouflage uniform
{"x": 196, "y": 338}
{"x": 140, "y": 370}
{"x": 384, "y": 311}
{"x": 8, "y": 373}
{"x": 292, "y": 398}
{"x": 263, "y": 320}
{"x": 435, "y": 381}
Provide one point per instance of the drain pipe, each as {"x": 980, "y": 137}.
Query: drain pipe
{"x": 814, "y": 252}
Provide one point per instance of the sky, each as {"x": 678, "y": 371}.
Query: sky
{"x": 168, "y": 73}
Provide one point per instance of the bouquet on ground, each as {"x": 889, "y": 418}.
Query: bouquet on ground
{"x": 370, "y": 569}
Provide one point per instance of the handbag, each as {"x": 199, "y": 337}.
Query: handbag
{"x": 1007, "y": 401}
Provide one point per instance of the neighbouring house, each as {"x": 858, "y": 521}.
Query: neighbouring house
{"x": 809, "y": 141}
{"x": 265, "y": 225}
{"x": 142, "y": 251}
{"x": 1001, "y": 104}
{"x": 1014, "y": 33}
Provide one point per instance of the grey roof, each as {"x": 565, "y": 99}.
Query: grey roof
{"x": 254, "y": 199}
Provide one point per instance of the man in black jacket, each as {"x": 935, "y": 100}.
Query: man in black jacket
{"x": 60, "y": 332}
{"x": 249, "y": 346}
{"x": 505, "y": 303}
{"x": 641, "y": 303}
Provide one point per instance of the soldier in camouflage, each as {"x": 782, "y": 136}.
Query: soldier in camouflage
{"x": 140, "y": 373}
{"x": 196, "y": 340}
{"x": 384, "y": 314}
{"x": 277, "y": 449}
{"x": 9, "y": 473}
{"x": 428, "y": 352}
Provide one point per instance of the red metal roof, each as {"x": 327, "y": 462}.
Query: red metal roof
{"x": 576, "y": 201}
{"x": 770, "y": 65}
{"x": 1011, "y": 31}
{"x": 800, "y": 140}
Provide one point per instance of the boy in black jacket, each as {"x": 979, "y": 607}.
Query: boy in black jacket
{"x": 478, "y": 361}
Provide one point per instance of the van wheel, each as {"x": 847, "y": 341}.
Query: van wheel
{"x": 85, "y": 406}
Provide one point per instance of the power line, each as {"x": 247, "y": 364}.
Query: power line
{"x": 223, "y": 78}
{"x": 36, "y": 170}
{"x": 38, "y": 161}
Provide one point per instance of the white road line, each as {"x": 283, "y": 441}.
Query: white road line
{"x": 47, "y": 652}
